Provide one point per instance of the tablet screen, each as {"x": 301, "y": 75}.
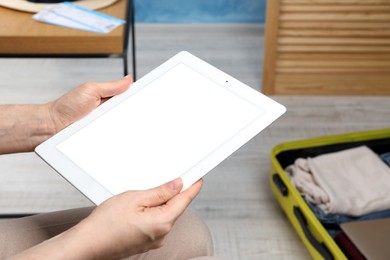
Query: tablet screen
{"x": 159, "y": 132}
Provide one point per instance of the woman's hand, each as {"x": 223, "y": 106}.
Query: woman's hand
{"x": 23, "y": 127}
{"x": 136, "y": 221}
{"x": 127, "y": 224}
{"x": 82, "y": 100}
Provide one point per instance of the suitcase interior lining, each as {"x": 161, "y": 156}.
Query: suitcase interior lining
{"x": 286, "y": 158}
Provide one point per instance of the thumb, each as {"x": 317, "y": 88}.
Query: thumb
{"x": 109, "y": 89}
{"x": 161, "y": 194}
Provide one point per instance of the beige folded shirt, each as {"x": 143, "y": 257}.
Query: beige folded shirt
{"x": 353, "y": 182}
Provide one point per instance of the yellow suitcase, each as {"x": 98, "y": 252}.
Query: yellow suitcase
{"x": 315, "y": 237}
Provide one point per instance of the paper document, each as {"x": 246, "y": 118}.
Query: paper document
{"x": 76, "y": 17}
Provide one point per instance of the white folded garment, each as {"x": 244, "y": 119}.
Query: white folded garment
{"x": 352, "y": 182}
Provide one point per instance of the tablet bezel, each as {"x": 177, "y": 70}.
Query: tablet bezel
{"x": 96, "y": 192}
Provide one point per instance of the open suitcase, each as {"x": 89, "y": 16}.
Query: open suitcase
{"x": 313, "y": 234}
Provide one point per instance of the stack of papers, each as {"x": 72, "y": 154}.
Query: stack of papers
{"x": 76, "y": 17}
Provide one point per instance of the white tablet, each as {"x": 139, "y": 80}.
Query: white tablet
{"x": 180, "y": 120}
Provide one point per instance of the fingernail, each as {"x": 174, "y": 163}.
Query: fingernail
{"x": 126, "y": 77}
{"x": 174, "y": 184}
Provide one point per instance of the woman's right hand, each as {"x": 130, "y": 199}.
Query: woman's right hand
{"x": 135, "y": 221}
{"x": 127, "y": 224}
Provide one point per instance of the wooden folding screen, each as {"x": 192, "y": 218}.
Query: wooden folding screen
{"x": 327, "y": 47}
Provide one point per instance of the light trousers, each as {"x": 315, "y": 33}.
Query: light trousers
{"x": 189, "y": 237}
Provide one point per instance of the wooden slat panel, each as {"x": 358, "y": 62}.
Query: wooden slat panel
{"x": 335, "y": 2}
{"x": 374, "y": 84}
{"x": 333, "y": 63}
{"x": 356, "y": 25}
{"x": 334, "y": 8}
{"x": 335, "y": 17}
{"x": 331, "y": 70}
{"x": 270, "y": 51}
{"x": 333, "y": 49}
{"x": 332, "y": 56}
{"x": 333, "y": 41}
{"x": 334, "y": 33}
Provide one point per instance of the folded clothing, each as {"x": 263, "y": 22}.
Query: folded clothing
{"x": 353, "y": 182}
{"x": 386, "y": 158}
{"x": 332, "y": 222}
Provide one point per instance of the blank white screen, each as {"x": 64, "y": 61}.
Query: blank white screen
{"x": 160, "y": 132}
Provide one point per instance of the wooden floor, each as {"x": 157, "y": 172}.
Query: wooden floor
{"x": 236, "y": 201}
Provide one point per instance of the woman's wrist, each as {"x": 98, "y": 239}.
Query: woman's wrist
{"x": 23, "y": 127}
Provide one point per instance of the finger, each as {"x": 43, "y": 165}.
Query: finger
{"x": 161, "y": 194}
{"x": 111, "y": 88}
{"x": 180, "y": 202}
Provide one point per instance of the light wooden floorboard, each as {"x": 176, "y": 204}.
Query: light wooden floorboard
{"x": 236, "y": 201}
